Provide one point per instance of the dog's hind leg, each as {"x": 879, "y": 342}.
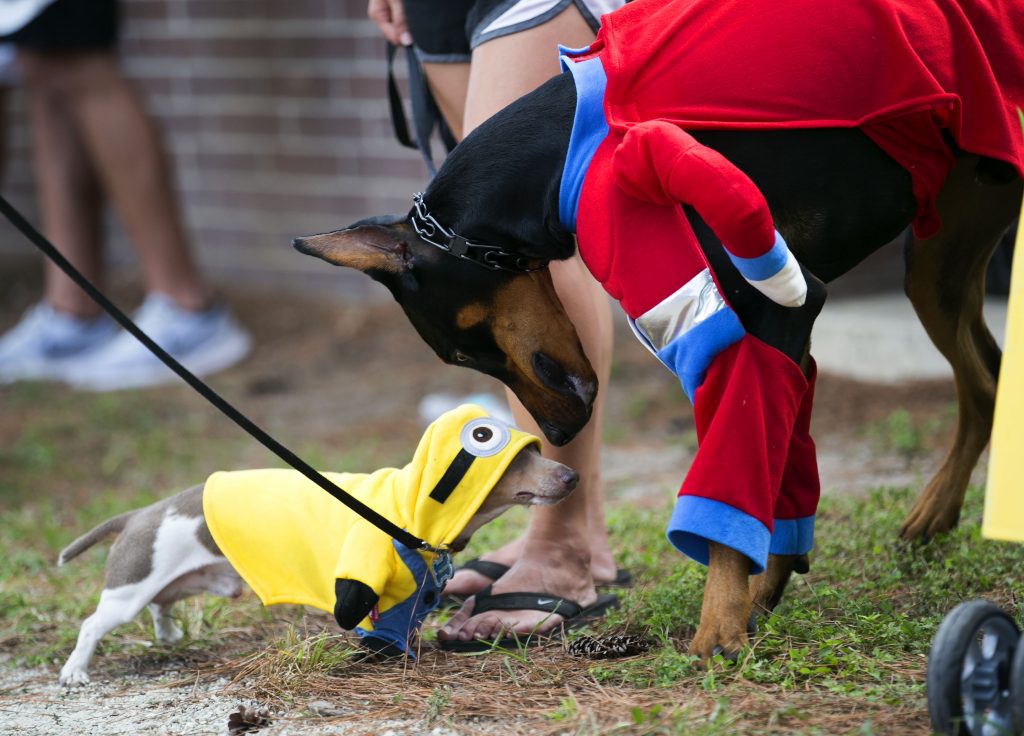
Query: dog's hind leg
{"x": 164, "y": 628}
{"x": 945, "y": 281}
{"x": 117, "y": 606}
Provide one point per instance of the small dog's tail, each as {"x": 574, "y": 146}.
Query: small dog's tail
{"x": 91, "y": 537}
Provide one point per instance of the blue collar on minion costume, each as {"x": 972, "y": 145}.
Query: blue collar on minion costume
{"x": 291, "y": 541}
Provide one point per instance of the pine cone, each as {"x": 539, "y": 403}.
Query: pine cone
{"x": 245, "y": 720}
{"x": 609, "y": 647}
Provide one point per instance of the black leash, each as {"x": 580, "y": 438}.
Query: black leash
{"x": 426, "y": 116}
{"x": 392, "y": 530}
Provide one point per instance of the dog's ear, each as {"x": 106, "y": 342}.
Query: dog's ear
{"x": 367, "y": 247}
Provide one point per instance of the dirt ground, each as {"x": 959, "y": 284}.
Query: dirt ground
{"x": 342, "y": 373}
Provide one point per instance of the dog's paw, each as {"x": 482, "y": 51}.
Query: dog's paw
{"x": 168, "y": 633}
{"x": 74, "y": 678}
{"x": 709, "y": 642}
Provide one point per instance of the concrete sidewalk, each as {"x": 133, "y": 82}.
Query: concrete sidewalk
{"x": 879, "y": 338}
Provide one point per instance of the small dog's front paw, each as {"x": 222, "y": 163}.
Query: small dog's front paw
{"x": 73, "y": 678}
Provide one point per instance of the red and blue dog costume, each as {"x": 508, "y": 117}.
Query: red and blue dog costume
{"x": 660, "y": 68}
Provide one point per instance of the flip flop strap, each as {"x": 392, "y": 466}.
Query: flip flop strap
{"x": 485, "y": 600}
{"x": 488, "y": 569}
{"x": 623, "y": 578}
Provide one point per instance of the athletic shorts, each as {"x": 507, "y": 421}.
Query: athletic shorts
{"x": 449, "y": 30}
{"x": 70, "y": 25}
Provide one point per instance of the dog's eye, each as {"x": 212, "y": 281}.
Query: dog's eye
{"x": 484, "y": 437}
{"x": 461, "y": 357}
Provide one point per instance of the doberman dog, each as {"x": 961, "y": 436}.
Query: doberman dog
{"x": 833, "y": 193}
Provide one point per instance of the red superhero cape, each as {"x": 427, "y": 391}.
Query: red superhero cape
{"x": 901, "y": 70}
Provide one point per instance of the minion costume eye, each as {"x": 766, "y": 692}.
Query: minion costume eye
{"x": 485, "y": 437}
{"x": 481, "y": 437}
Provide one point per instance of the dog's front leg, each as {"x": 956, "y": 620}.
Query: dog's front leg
{"x": 726, "y": 607}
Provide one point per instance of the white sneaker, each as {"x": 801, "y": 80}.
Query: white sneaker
{"x": 46, "y": 345}
{"x": 432, "y": 406}
{"x": 204, "y": 342}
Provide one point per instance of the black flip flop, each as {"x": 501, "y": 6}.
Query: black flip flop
{"x": 623, "y": 579}
{"x": 488, "y": 569}
{"x": 494, "y": 570}
{"x": 572, "y": 613}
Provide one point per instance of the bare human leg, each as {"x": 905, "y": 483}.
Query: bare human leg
{"x": 68, "y": 191}
{"x": 565, "y": 547}
{"x": 85, "y": 93}
{"x": 449, "y": 83}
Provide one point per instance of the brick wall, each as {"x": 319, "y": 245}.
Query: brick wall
{"x": 275, "y": 117}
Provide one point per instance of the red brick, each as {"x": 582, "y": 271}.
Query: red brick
{"x": 249, "y": 123}
{"x": 329, "y": 127}
{"x": 291, "y": 163}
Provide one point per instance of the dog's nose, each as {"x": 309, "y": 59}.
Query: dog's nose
{"x": 554, "y": 434}
{"x": 569, "y": 478}
{"x": 555, "y": 377}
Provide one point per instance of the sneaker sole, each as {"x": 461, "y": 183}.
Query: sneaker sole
{"x": 230, "y": 351}
{"x": 36, "y": 371}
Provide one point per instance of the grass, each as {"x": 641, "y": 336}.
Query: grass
{"x": 900, "y": 432}
{"x": 851, "y": 637}
{"x": 844, "y": 654}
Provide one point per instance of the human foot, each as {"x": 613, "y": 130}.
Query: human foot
{"x": 476, "y": 574}
{"x": 469, "y": 579}
{"x": 545, "y": 569}
{"x": 571, "y": 615}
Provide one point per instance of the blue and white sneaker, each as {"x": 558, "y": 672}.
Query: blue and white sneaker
{"x": 204, "y": 342}
{"x": 432, "y": 406}
{"x": 47, "y": 345}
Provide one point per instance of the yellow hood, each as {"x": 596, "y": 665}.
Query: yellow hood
{"x": 460, "y": 458}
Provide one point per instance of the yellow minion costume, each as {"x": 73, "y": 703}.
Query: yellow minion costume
{"x": 294, "y": 543}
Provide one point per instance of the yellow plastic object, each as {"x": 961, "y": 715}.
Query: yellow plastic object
{"x": 1004, "y": 497}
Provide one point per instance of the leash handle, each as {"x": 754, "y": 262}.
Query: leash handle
{"x": 391, "y": 529}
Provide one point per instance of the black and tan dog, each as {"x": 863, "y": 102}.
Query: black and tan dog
{"x": 834, "y": 194}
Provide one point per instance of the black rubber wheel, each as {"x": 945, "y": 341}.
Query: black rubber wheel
{"x": 969, "y": 671}
{"x": 1017, "y": 689}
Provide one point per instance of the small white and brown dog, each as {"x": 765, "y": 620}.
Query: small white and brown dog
{"x": 294, "y": 543}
